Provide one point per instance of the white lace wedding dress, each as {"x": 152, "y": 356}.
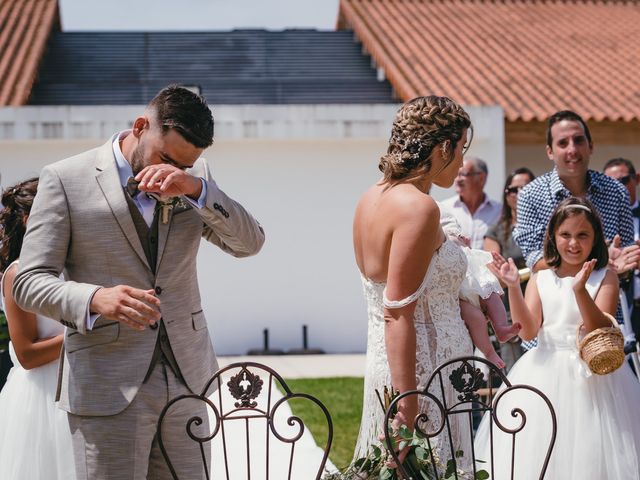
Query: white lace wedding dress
{"x": 440, "y": 336}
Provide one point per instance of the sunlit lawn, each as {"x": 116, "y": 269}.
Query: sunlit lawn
{"x": 343, "y": 398}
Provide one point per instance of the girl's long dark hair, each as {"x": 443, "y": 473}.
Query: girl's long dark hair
{"x": 570, "y": 207}
{"x": 17, "y": 201}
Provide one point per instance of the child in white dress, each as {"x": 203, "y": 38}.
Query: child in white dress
{"x": 480, "y": 294}
{"x": 35, "y": 440}
{"x": 598, "y": 419}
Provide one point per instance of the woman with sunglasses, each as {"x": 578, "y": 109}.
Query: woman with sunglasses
{"x": 499, "y": 238}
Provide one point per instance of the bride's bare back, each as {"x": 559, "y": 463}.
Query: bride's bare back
{"x": 395, "y": 233}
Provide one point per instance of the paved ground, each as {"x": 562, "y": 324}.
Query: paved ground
{"x": 306, "y": 366}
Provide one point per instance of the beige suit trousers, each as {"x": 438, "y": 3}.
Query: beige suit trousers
{"x": 105, "y": 446}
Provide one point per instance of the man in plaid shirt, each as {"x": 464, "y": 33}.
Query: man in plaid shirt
{"x": 569, "y": 147}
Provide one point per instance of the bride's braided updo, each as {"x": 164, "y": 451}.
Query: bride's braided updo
{"x": 420, "y": 126}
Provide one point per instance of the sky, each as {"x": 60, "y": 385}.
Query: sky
{"x": 185, "y": 15}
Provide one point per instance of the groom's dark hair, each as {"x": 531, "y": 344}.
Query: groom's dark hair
{"x": 177, "y": 108}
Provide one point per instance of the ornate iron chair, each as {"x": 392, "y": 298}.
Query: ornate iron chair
{"x": 247, "y": 408}
{"x": 454, "y": 389}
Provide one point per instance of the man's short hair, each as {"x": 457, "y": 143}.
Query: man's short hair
{"x": 185, "y": 112}
{"x": 616, "y": 162}
{"x": 566, "y": 115}
{"x": 479, "y": 164}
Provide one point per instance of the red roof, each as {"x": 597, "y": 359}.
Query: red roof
{"x": 531, "y": 57}
{"x": 25, "y": 26}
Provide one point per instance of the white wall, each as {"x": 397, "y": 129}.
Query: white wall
{"x": 300, "y": 171}
{"x": 192, "y": 15}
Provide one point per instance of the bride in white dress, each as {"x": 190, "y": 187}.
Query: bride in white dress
{"x": 410, "y": 272}
{"x": 35, "y": 441}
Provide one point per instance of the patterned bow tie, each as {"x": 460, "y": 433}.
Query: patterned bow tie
{"x": 132, "y": 187}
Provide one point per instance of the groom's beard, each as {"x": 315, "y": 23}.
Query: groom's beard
{"x": 137, "y": 160}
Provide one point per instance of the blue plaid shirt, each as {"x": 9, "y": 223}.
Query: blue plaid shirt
{"x": 539, "y": 198}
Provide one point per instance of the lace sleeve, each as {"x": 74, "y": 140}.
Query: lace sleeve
{"x": 405, "y": 301}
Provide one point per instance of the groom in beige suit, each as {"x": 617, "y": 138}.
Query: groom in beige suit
{"x": 136, "y": 334}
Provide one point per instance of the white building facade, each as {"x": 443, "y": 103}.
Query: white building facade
{"x": 300, "y": 171}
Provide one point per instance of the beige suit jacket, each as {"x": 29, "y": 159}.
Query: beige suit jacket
{"x": 80, "y": 223}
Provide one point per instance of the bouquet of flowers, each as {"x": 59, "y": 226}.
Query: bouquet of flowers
{"x": 420, "y": 461}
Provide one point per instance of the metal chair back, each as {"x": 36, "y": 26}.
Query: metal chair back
{"x": 461, "y": 375}
{"x": 245, "y": 408}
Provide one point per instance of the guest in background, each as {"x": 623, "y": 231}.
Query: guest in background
{"x": 569, "y": 147}
{"x": 623, "y": 170}
{"x": 35, "y": 441}
{"x": 471, "y": 207}
{"x": 499, "y": 238}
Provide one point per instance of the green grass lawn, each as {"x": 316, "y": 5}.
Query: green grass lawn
{"x": 343, "y": 398}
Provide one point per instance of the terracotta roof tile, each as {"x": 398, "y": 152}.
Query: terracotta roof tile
{"x": 25, "y": 26}
{"x": 531, "y": 57}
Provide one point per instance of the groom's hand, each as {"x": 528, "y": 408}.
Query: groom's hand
{"x": 131, "y": 306}
{"x": 168, "y": 181}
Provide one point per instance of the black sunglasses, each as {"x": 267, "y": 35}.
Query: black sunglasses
{"x": 513, "y": 190}
{"x": 625, "y": 180}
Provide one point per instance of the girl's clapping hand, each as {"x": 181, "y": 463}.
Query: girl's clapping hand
{"x": 505, "y": 270}
{"x": 580, "y": 280}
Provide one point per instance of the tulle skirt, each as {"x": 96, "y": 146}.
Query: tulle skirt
{"x": 598, "y": 421}
{"x": 35, "y": 441}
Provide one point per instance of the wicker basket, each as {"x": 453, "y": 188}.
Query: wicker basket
{"x": 602, "y": 349}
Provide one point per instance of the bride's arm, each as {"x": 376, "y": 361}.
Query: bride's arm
{"x": 415, "y": 235}
{"x": 31, "y": 351}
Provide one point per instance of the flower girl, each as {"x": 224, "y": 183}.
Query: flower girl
{"x": 598, "y": 419}
{"x": 35, "y": 441}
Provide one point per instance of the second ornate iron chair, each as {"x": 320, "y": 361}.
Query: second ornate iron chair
{"x": 245, "y": 428}
{"x": 453, "y": 391}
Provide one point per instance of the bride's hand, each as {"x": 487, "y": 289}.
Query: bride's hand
{"x": 580, "y": 280}
{"x": 505, "y": 270}
{"x": 398, "y": 421}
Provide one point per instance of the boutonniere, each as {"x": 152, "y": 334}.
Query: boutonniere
{"x": 166, "y": 205}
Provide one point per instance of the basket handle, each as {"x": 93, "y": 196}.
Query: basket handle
{"x": 608, "y": 315}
